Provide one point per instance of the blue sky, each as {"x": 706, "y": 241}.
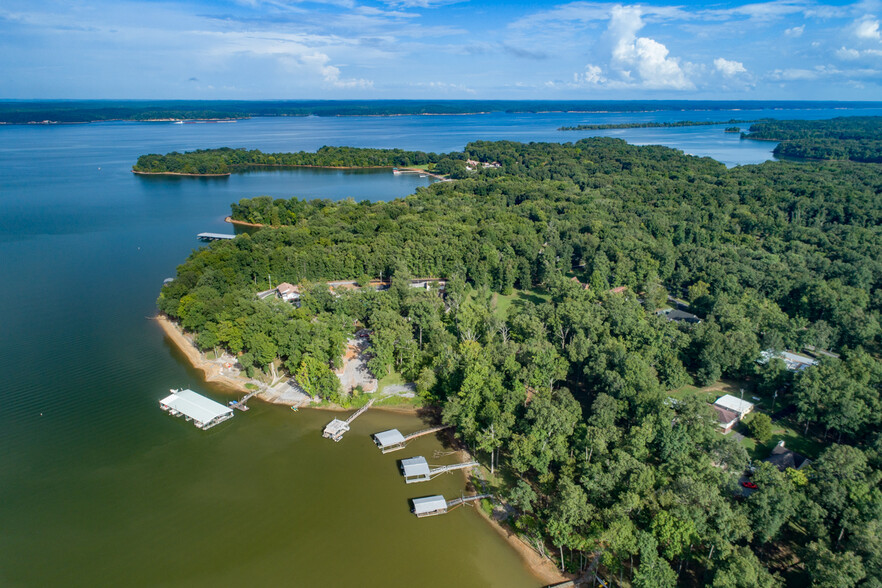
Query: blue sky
{"x": 439, "y": 49}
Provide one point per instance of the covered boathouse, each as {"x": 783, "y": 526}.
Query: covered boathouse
{"x": 390, "y": 440}
{"x": 204, "y": 412}
{"x": 429, "y": 506}
{"x": 415, "y": 469}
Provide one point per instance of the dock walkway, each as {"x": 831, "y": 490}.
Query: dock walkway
{"x": 214, "y": 236}
{"x": 240, "y": 405}
{"x": 393, "y": 440}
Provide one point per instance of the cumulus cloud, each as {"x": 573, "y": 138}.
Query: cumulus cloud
{"x": 795, "y": 31}
{"x": 331, "y": 74}
{"x": 729, "y": 68}
{"x": 592, "y": 76}
{"x": 641, "y": 60}
{"x": 867, "y": 28}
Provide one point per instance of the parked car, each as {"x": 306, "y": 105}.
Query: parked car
{"x": 749, "y": 485}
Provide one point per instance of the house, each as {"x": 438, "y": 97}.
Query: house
{"x": 618, "y": 290}
{"x": 784, "y": 458}
{"x": 287, "y": 292}
{"x": 726, "y": 419}
{"x": 580, "y": 284}
{"x": 736, "y": 405}
{"x": 680, "y": 316}
{"x": 794, "y": 361}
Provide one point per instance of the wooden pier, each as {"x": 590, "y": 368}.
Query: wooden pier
{"x": 393, "y": 440}
{"x": 240, "y": 405}
{"x": 429, "y": 506}
{"x": 417, "y": 469}
{"x": 336, "y": 428}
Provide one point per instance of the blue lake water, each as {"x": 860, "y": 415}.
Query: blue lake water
{"x": 97, "y": 485}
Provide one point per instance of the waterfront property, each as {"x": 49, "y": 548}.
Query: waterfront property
{"x": 417, "y": 469}
{"x": 337, "y": 428}
{"x": 204, "y": 412}
{"x": 393, "y": 440}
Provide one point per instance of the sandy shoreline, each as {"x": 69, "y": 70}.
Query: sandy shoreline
{"x": 143, "y": 173}
{"x": 544, "y": 570}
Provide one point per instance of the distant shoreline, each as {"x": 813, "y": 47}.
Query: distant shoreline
{"x": 180, "y": 174}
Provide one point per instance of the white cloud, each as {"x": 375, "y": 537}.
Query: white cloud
{"x": 729, "y": 68}
{"x": 331, "y": 74}
{"x": 848, "y": 54}
{"x": 645, "y": 57}
{"x": 592, "y": 76}
{"x": 795, "y": 31}
{"x": 867, "y": 28}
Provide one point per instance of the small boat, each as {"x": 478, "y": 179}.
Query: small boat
{"x": 178, "y": 122}
{"x": 423, "y": 175}
{"x": 396, "y": 172}
{"x": 295, "y": 408}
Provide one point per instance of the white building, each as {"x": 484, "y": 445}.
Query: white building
{"x": 736, "y": 405}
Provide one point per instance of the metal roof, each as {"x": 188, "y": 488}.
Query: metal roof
{"x": 336, "y": 425}
{"x": 730, "y": 402}
{"x": 390, "y": 437}
{"x": 196, "y": 406}
{"x": 429, "y": 504}
{"x": 415, "y": 466}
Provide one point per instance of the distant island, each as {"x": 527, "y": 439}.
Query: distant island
{"x": 856, "y": 138}
{"x": 654, "y": 125}
{"x": 83, "y": 111}
{"x": 225, "y": 160}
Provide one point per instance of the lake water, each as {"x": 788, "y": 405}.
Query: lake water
{"x": 97, "y": 485}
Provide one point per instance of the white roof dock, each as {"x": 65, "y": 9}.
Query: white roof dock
{"x": 429, "y": 505}
{"x": 335, "y": 429}
{"x": 388, "y": 438}
{"x": 204, "y": 412}
{"x": 729, "y": 402}
{"x": 415, "y": 469}
{"x": 214, "y": 236}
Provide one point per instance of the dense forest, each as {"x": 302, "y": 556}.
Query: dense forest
{"x": 226, "y": 160}
{"x": 853, "y": 138}
{"x": 654, "y": 125}
{"x": 574, "y": 392}
{"x": 79, "y": 111}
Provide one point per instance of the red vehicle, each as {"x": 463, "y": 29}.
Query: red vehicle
{"x": 749, "y": 485}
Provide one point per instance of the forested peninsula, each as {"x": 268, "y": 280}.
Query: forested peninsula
{"x": 654, "y": 125}
{"x": 226, "y": 160}
{"x": 851, "y": 138}
{"x": 554, "y": 349}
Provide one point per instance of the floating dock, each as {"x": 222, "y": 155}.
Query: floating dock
{"x": 417, "y": 469}
{"x": 240, "y": 404}
{"x": 204, "y": 412}
{"x": 214, "y": 236}
{"x": 393, "y": 440}
{"x": 429, "y": 506}
{"x": 336, "y": 428}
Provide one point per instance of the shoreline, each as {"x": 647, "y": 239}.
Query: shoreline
{"x": 143, "y": 173}
{"x": 542, "y": 568}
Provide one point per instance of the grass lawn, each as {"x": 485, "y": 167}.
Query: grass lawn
{"x": 712, "y": 392}
{"x": 782, "y": 431}
{"x": 392, "y": 379}
{"x": 502, "y": 305}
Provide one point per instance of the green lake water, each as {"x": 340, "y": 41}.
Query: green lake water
{"x": 98, "y": 486}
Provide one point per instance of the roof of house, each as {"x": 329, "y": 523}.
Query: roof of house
{"x": 734, "y": 404}
{"x": 390, "y": 437}
{"x": 415, "y": 466}
{"x": 681, "y": 315}
{"x": 429, "y": 504}
{"x": 285, "y": 288}
{"x": 724, "y": 415}
{"x": 618, "y": 290}
{"x": 784, "y": 458}
{"x": 794, "y": 361}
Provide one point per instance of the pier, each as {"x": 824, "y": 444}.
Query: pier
{"x": 214, "y": 236}
{"x": 393, "y": 440}
{"x": 203, "y": 412}
{"x": 336, "y": 428}
{"x": 240, "y": 405}
{"x": 417, "y": 469}
{"x": 429, "y": 506}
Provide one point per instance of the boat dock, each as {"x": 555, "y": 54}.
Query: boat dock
{"x": 417, "y": 469}
{"x": 203, "y": 412}
{"x": 336, "y": 428}
{"x": 214, "y": 236}
{"x": 428, "y": 506}
{"x": 240, "y": 404}
{"x": 393, "y": 440}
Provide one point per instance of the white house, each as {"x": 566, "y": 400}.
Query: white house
{"x": 736, "y": 405}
